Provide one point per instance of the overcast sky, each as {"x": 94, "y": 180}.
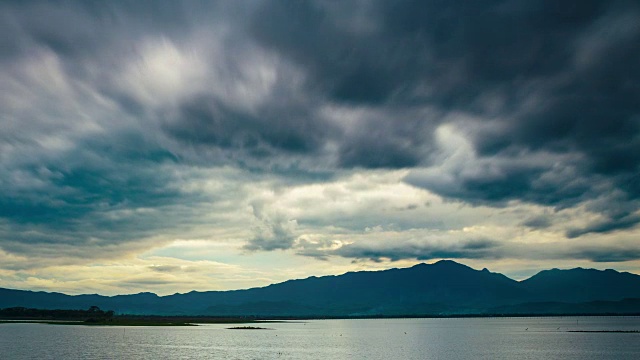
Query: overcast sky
{"x": 168, "y": 146}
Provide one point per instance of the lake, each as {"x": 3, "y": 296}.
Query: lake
{"x": 477, "y": 338}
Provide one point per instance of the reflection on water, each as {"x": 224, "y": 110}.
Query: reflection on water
{"x": 490, "y": 338}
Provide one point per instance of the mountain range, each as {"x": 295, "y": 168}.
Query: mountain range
{"x": 445, "y": 288}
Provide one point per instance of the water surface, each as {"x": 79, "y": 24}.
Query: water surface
{"x": 482, "y": 338}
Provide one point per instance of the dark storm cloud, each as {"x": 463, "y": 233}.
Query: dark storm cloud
{"x": 83, "y": 168}
{"x": 92, "y": 203}
{"x": 494, "y": 181}
{"x": 559, "y": 77}
{"x": 89, "y": 138}
{"x": 397, "y": 138}
{"x": 610, "y": 224}
{"x": 395, "y": 250}
{"x": 612, "y": 254}
{"x": 79, "y": 29}
{"x": 451, "y": 51}
{"x": 471, "y": 249}
{"x": 538, "y": 222}
{"x": 95, "y": 177}
{"x": 208, "y": 123}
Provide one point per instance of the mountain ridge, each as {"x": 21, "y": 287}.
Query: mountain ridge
{"x": 442, "y": 288}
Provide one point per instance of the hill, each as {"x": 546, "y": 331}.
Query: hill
{"x": 442, "y": 288}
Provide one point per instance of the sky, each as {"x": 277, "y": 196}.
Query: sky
{"x": 172, "y": 146}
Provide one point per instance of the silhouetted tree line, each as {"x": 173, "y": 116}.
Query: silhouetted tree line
{"x": 94, "y": 313}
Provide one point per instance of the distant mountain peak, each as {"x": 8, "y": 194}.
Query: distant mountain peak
{"x": 446, "y": 262}
{"x": 440, "y": 264}
{"x": 574, "y": 271}
{"x": 450, "y": 264}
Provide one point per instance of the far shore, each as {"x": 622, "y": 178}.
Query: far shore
{"x": 136, "y": 321}
{"x": 150, "y": 320}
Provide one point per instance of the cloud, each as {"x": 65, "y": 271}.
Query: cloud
{"x": 469, "y": 244}
{"x": 541, "y": 178}
{"x": 166, "y": 268}
{"x": 538, "y": 222}
{"x": 606, "y": 225}
{"x": 613, "y": 254}
{"x": 473, "y": 249}
{"x": 272, "y": 231}
{"x": 127, "y": 126}
{"x": 516, "y": 75}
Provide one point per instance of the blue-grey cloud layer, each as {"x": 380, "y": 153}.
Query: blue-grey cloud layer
{"x": 547, "y": 93}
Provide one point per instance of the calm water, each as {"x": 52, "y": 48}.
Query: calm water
{"x": 501, "y": 338}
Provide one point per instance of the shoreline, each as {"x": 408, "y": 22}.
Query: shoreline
{"x": 195, "y": 320}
